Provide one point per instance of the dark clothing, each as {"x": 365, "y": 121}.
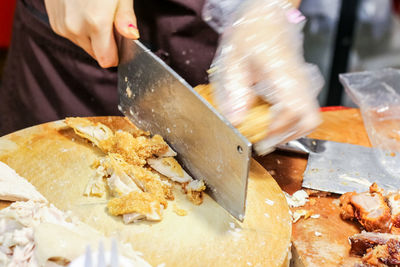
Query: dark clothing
{"x": 48, "y": 78}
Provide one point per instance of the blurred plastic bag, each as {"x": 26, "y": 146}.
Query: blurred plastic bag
{"x": 377, "y": 93}
{"x": 260, "y": 56}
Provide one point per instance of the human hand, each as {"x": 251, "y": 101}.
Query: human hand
{"x": 260, "y": 56}
{"x": 90, "y": 25}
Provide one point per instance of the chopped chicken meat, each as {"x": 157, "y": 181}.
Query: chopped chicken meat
{"x": 118, "y": 188}
{"x": 139, "y": 178}
{"x": 194, "y": 191}
{"x": 127, "y": 176}
{"x": 94, "y": 132}
{"x": 96, "y": 186}
{"x": 134, "y": 150}
{"x": 170, "y": 168}
{"x": 142, "y": 204}
{"x": 119, "y": 182}
{"x": 14, "y": 187}
{"x": 369, "y": 208}
{"x": 168, "y": 153}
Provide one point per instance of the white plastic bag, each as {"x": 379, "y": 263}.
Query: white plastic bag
{"x": 377, "y": 93}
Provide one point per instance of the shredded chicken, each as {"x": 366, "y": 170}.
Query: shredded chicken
{"x": 37, "y": 234}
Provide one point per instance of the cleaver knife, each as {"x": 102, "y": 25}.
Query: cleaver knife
{"x": 340, "y": 167}
{"x": 157, "y": 99}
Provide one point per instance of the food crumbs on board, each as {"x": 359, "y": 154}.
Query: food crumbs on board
{"x": 128, "y": 91}
{"x": 178, "y": 211}
{"x": 300, "y": 213}
{"x": 317, "y": 233}
{"x": 298, "y": 199}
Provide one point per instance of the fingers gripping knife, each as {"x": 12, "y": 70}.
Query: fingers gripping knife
{"x": 157, "y": 99}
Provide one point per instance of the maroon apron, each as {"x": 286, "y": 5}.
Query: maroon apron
{"x": 47, "y": 77}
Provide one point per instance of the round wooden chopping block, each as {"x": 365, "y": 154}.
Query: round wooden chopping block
{"x": 58, "y": 162}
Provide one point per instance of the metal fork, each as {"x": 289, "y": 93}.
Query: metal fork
{"x": 101, "y": 259}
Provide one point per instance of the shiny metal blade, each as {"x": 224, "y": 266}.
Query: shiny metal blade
{"x": 339, "y": 167}
{"x": 156, "y": 99}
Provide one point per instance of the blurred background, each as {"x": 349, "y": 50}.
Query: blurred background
{"x": 339, "y": 36}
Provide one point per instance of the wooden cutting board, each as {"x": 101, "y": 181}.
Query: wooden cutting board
{"x": 57, "y": 161}
{"x": 322, "y": 241}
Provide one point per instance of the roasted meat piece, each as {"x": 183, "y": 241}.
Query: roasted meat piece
{"x": 346, "y": 208}
{"x": 376, "y": 249}
{"x": 369, "y": 208}
{"x": 394, "y": 204}
{"x": 372, "y": 211}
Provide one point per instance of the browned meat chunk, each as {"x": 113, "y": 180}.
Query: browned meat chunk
{"x": 369, "y": 208}
{"x": 394, "y": 204}
{"x": 376, "y": 249}
{"x": 372, "y": 211}
{"x": 374, "y": 255}
{"x": 346, "y": 208}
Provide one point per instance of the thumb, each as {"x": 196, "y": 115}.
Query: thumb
{"x": 125, "y": 20}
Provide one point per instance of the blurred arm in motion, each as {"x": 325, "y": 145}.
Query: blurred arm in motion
{"x": 260, "y": 56}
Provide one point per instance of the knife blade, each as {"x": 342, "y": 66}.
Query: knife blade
{"x": 157, "y": 99}
{"x": 340, "y": 167}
